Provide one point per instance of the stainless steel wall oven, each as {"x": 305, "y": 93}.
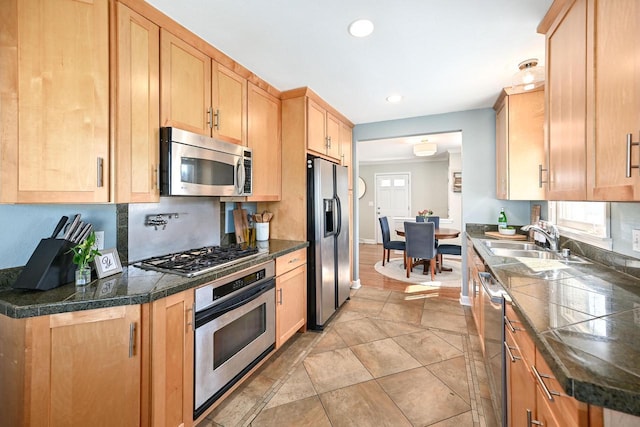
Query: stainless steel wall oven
{"x": 234, "y": 330}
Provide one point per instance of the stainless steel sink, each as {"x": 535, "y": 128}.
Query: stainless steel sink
{"x": 534, "y": 253}
{"x": 510, "y": 245}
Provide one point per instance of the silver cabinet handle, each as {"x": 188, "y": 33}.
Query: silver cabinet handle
{"x": 540, "y": 181}
{"x": 132, "y": 338}
{"x": 291, "y": 261}
{"x": 545, "y": 389}
{"x": 100, "y": 169}
{"x": 508, "y": 323}
{"x": 531, "y": 421}
{"x": 191, "y": 320}
{"x": 508, "y": 349}
{"x": 280, "y": 298}
{"x": 216, "y": 119}
{"x": 155, "y": 177}
{"x": 630, "y": 144}
{"x": 210, "y": 117}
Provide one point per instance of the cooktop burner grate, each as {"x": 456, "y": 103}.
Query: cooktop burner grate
{"x": 198, "y": 261}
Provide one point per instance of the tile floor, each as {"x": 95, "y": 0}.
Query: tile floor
{"x": 389, "y": 358}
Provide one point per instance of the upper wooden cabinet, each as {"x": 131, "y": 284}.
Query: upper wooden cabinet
{"x": 520, "y": 145}
{"x": 137, "y": 108}
{"x": 55, "y": 103}
{"x": 263, "y": 137}
{"x": 323, "y": 131}
{"x": 592, "y": 104}
{"x": 198, "y": 94}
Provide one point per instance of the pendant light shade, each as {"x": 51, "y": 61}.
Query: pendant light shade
{"x": 425, "y": 149}
{"x": 529, "y": 77}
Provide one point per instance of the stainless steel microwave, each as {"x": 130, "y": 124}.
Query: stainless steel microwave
{"x": 197, "y": 165}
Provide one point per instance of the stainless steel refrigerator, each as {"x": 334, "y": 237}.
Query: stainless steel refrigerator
{"x": 328, "y": 281}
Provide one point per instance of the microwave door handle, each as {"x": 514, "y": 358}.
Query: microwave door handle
{"x": 240, "y": 175}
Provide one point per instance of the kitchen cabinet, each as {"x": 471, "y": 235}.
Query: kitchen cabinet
{"x": 520, "y": 145}
{"x": 592, "y": 104}
{"x": 73, "y": 369}
{"x": 198, "y": 94}
{"x": 323, "y": 131}
{"x": 263, "y": 137}
{"x": 55, "y": 114}
{"x": 291, "y": 295}
{"x": 172, "y": 344}
{"x": 475, "y": 265}
{"x": 532, "y": 390}
{"x": 137, "y": 108}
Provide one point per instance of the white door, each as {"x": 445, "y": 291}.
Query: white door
{"x": 392, "y": 199}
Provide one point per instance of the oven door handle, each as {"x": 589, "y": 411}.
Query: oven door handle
{"x": 218, "y": 310}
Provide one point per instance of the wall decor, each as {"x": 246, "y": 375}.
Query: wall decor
{"x": 108, "y": 263}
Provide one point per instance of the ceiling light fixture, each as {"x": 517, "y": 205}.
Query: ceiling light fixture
{"x": 394, "y": 98}
{"x": 529, "y": 77}
{"x": 361, "y": 28}
{"x": 425, "y": 148}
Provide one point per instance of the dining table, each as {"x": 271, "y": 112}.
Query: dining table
{"x": 440, "y": 233}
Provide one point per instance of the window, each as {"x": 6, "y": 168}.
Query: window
{"x": 584, "y": 221}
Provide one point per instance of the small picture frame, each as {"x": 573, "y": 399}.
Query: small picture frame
{"x": 108, "y": 263}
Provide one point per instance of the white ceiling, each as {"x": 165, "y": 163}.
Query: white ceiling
{"x": 440, "y": 55}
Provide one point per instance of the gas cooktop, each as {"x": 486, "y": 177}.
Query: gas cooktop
{"x": 194, "y": 262}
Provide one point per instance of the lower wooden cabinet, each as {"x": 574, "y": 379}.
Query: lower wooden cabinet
{"x": 171, "y": 363}
{"x": 534, "y": 396}
{"x": 291, "y": 295}
{"x": 72, "y": 369}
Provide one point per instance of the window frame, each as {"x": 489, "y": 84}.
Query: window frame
{"x": 603, "y": 242}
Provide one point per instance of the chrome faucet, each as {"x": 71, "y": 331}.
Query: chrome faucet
{"x": 550, "y": 232}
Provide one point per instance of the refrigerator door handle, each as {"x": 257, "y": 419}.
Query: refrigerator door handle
{"x": 338, "y": 214}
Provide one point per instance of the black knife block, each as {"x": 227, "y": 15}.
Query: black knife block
{"x": 51, "y": 265}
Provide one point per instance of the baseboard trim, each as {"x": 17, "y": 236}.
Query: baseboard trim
{"x": 465, "y": 300}
{"x": 368, "y": 241}
{"x": 355, "y": 284}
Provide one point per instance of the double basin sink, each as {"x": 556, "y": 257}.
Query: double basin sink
{"x": 527, "y": 250}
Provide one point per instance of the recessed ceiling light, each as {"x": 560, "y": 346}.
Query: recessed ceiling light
{"x": 394, "y": 98}
{"x": 361, "y": 28}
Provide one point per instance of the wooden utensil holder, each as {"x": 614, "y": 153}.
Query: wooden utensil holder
{"x": 51, "y": 265}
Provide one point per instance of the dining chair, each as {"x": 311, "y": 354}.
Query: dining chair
{"x": 387, "y": 243}
{"x": 421, "y": 244}
{"x": 419, "y": 218}
{"x": 447, "y": 249}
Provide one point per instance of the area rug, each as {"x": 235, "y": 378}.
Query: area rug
{"x": 447, "y": 279}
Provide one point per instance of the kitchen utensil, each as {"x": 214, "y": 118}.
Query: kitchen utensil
{"x": 61, "y": 223}
{"x": 72, "y": 227}
{"x": 240, "y": 223}
{"x": 86, "y": 230}
{"x": 78, "y": 230}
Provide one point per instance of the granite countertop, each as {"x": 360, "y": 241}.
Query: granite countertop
{"x": 584, "y": 319}
{"x": 133, "y": 286}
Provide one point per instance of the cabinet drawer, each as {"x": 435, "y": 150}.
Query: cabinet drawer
{"x": 515, "y": 327}
{"x": 290, "y": 261}
{"x": 567, "y": 410}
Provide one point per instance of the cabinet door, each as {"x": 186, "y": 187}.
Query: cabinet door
{"x": 291, "y": 303}
{"x": 617, "y": 100}
{"x": 137, "y": 108}
{"x": 333, "y": 136}
{"x": 172, "y": 340}
{"x": 185, "y": 86}
{"x": 229, "y": 101}
{"x": 316, "y": 127}
{"x": 85, "y": 368}
{"x": 502, "y": 159}
{"x": 346, "y": 149}
{"x": 264, "y": 139}
{"x": 566, "y": 105}
{"x": 57, "y": 103}
{"x": 520, "y": 386}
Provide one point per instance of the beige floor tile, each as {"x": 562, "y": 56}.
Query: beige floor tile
{"x": 394, "y": 329}
{"x": 455, "y": 340}
{"x": 363, "y": 305}
{"x": 359, "y": 331}
{"x": 427, "y": 347}
{"x": 404, "y": 298}
{"x": 330, "y": 341}
{"x": 453, "y": 373}
{"x": 481, "y": 378}
{"x": 422, "y": 397}
{"x": 462, "y": 420}
{"x": 335, "y": 369}
{"x": 439, "y": 304}
{"x": 401, "y": 313}
{"x": 384, "y": 357}
{"x": 489, "y": 413}
{"x": 283, "y": 360}
{"x": 233, "y": 409}
{"x": 345, "y": 315}
{"x": 373, "y": 294}
{"x": 297, "y": 387}
{"x": 362, "y": 405}
{"x": 444, "y": 320}
{"x": 301, "y": 413}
